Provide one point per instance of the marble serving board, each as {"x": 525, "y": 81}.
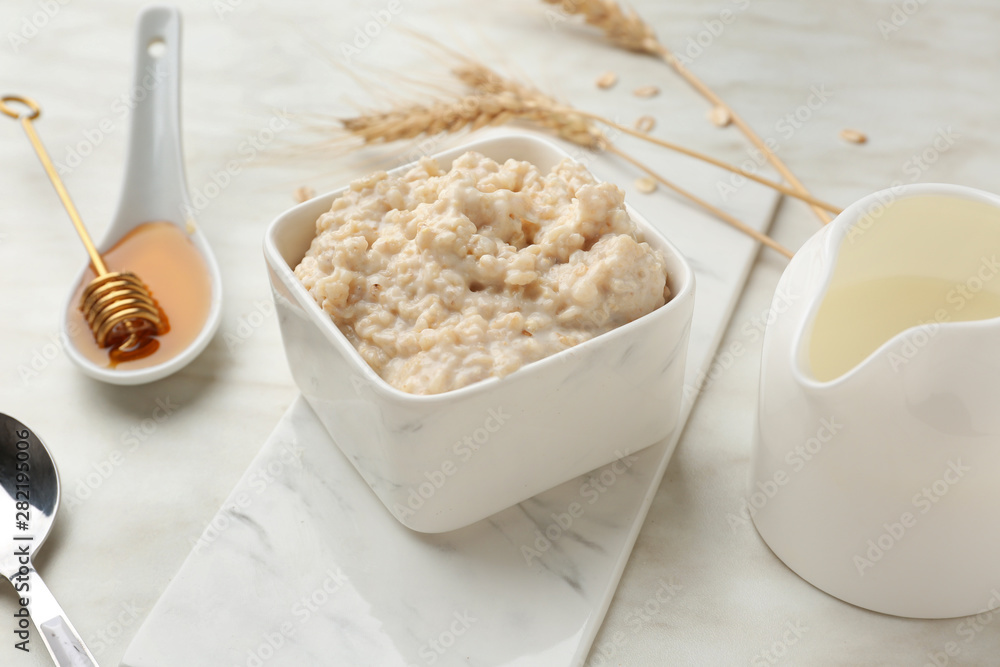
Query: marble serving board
{"x": 304, "y": 566}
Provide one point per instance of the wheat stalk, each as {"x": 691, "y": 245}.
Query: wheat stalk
{"x": 718, "y": 212}
{"x": 645, "y": 136}
{"x": 478, "y": 76}
{"x": 499, "y": 100}
{"x": 625, "y": 28}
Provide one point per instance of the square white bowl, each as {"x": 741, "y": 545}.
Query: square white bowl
{"x": 440, "y": 462}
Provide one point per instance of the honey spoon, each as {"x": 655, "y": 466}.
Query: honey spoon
{"x": 155, "y": 185}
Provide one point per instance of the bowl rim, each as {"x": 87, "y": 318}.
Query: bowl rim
{"x": 682, "y": 276}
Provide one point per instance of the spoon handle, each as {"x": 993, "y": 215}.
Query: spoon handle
{"x": 155, "y": 186}
{"x": 58, "y": 634}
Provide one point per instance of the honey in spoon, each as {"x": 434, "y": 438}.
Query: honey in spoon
{"x": 178, "y": 279}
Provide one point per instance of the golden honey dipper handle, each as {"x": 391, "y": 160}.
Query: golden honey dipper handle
{"x": 32, "y": 112}
{"x": 121, "y": 312}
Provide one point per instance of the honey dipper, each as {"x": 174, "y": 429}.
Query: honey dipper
{"x": 120, "y": 311}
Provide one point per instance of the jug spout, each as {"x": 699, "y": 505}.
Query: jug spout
{"x": 896, "y": 276}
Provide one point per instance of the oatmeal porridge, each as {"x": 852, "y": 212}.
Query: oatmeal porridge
{"x": 444, "y": 278}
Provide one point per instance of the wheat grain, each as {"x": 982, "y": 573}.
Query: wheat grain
{"x": 645, "y": 124}
{"x": 304, "y": 193}
{"x": 720, "y": 116}
{"x": 606, "y": 80}
{"x": 853, "y": 136}
{"x": 645, "y": 185}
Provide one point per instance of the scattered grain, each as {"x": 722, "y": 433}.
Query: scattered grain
{"x": 606, "y": 80}
{"x": 645, "y": 185}
{"x": 853, "y": 136}
{"x": 645, "y": 124}
{"x": 720, "y": 116}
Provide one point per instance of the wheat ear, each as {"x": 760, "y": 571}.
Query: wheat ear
{"x": 470, "y": 112}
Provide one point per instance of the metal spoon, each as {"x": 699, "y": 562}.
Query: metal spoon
{"x": 29, "y": 498}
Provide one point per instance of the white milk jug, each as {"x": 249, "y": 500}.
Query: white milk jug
{"x": 876, "y": 463}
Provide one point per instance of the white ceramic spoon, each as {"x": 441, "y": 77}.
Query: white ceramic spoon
{"x": 155, "y": 187}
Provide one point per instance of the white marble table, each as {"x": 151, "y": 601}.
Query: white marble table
{"x": 120, "y": 537}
